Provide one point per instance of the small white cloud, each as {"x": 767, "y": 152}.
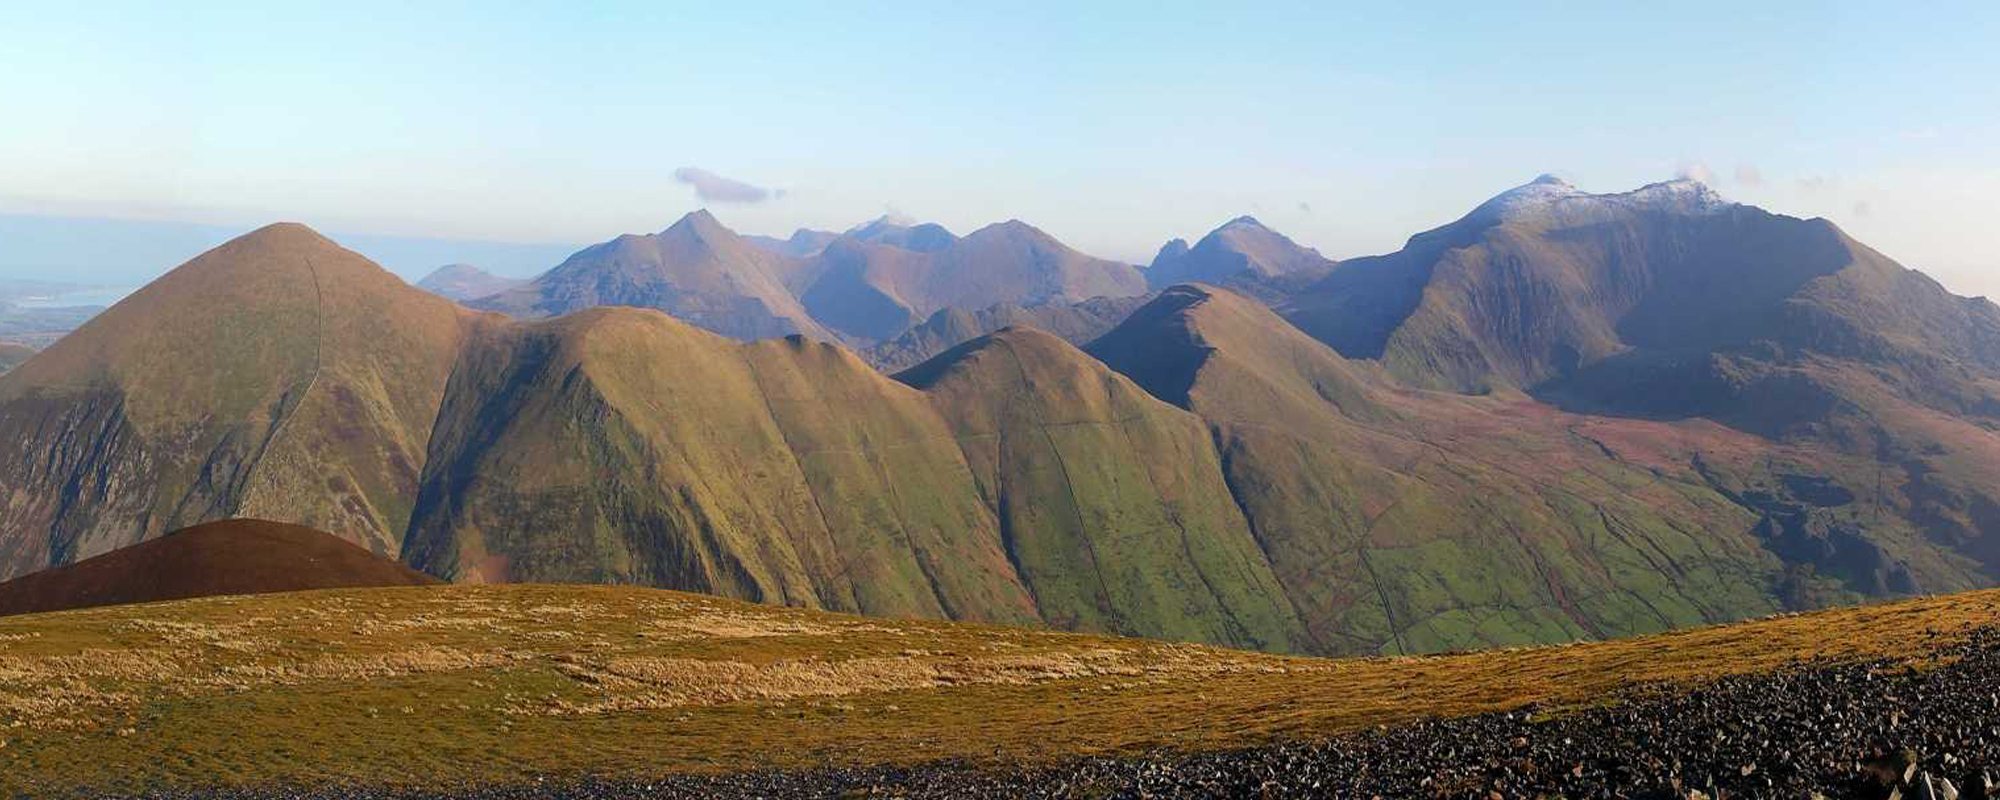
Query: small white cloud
{"x": 1749, "y": 175}
{"x": 1696, "y": 171}
{"x": 713, "y": 188}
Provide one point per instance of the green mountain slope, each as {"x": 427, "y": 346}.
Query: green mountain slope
{"x": 1112, "y": 503}
{"x": 1404, "y": 521}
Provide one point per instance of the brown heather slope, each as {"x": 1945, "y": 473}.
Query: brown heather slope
{"x": 277, "y": 376}
{"x": 623, "y": 446}
{"x": 228, "y": 557}
{"x": 696, "y": 270}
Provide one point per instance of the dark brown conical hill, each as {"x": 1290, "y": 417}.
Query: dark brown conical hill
{"x": 226, "y": 557}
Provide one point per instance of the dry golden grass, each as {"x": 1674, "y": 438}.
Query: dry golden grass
{"x": 446, "y": 684}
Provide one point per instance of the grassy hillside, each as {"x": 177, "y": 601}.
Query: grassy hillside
{"x": 447, "y": 685}
{"x": 1112, "y": 502}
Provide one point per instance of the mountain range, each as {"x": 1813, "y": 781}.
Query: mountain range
{"x": 873, "y": 286}
{"x": 1566, "y": 415}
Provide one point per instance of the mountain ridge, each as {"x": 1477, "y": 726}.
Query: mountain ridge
{"x": 1215, "y": 467}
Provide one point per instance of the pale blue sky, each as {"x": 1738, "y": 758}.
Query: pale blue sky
{"x": 1113, "y": 127}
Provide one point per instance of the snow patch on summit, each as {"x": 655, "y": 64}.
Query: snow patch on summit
{"x": 1540, "y": 192}
{"x": 1548, "y": 192}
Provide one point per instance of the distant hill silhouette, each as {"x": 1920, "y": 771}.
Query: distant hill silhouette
{"x": 1242, "y": 245}
{"x": 465, "y": 282}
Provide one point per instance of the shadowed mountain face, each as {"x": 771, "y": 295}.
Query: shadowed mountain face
{"x": 1242, "y": 247}
{"x": 230, "y": 557}
{"x": 1214, "y": 469}
{"x": 465, "y": 282}
{"x": 697, "y": 270}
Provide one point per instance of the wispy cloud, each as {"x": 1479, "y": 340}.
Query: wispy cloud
{"x": 1696, "y": 171}
{"x": 713, "y": 188}
{"x": 1749, "y": 175}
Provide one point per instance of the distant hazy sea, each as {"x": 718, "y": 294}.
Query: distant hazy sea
{"x": 97, "y": 296}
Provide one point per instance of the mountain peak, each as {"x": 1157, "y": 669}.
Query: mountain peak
{"x": 698, "y": 222}
{"x": 1012, "y": 227}
{"x": 889, "y": 220}
{"x": 1173, "y": 250}
{"x": 454, "y": 270}
{"x": 1542, "y": 191}
{"x": 1686, "y": 195}
{"x": 285, "y": 235}
{"x": 1245, "y": 221}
